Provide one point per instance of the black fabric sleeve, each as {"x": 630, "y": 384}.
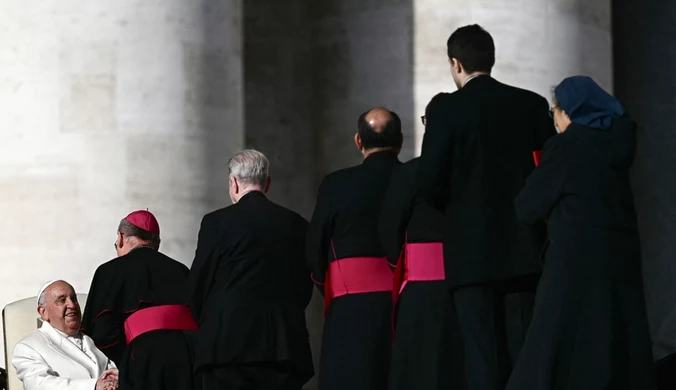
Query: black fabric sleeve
{"x": 434, "y": 171}
{"x": 395, "y": 214}
{"x": 543, "y": 188}
{"x": 319, "y": 235}
{"x": 201, "y": 270}
{"x": 103, "y": 325}
{"x": 544, "y": 124}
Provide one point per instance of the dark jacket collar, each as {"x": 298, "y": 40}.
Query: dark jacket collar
{"x": 478, "y": 81}
{"x": 381, "y": 157}
{"x": 252, "y": 195}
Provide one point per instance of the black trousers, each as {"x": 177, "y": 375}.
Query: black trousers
{"x": 493, "y": 323}
{"x": 254, "y": 376}
{"x": 666, "y": 372}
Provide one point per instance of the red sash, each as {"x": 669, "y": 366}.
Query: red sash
{"x": 165, "y": 317}
{"x": 356, "y": 275}
{"x": 418, "y": 262}
{"x": 537, "y": 156}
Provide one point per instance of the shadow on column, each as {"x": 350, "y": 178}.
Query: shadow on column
{"x": 310, "y": 68}
{"x": 279, "y": 111}
{"x": 363, "y": 58}
{"x": 645, "y": 60}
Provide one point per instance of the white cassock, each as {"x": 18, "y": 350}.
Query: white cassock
{"x": 48, "y": 359}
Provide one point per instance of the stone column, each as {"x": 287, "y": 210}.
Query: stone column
{"x": 363, "y": 58}
{"x": 538, "y": 43}
{"x": 644, "y": 62}
{"x": 279, "y": 109}
{"x": 109, "y": 107}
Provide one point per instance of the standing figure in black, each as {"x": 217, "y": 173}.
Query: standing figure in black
{"x": 250, "y": 287}
{"x": 477, "y": 153}
{"x": 427, "y": 350}
{"x": 590, "y": 327}
{"x": 349, "y": 263}
{"x": 137, "y": 311}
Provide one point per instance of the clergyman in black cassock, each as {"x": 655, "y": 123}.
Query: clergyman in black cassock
{"x": 590, "y": 327}
{"x": 250, "y": 287}
{"x": 348, "y": 262}
{"x": 477, "y": 153}
{"x": 427, "y": 349}
{"x": 127, "y": 297}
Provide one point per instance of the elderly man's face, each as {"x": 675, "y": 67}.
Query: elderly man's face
{"x": 61, "y": 308}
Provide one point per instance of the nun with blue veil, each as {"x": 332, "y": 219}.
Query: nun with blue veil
{"x": 589, "y": 329}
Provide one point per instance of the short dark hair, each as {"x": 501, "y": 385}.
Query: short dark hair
{"x": 129, "y": 230}
{"x": 390, "y": 136}
{"x": 473, "y": 47}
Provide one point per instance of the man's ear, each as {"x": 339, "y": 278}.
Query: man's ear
{"x": 456, "y": 65}
{"x": 43, "y": 313}
{"x": 120, "y": 240}
{"x": 235, "y": 183}
{"x": 267, "y": 185}
{"x": 357, "y": 142}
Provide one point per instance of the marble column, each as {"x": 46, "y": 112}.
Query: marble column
{"x": 538, "y": 43}
{"x": 363, "y": 58}
{"x": 110, "y": 107}
{"x": 644, "y": 81}
{"x": 279, "y": 111}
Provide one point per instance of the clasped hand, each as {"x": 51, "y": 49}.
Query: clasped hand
{"x": 108, "y": 381}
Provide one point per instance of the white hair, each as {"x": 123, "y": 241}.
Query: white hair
{"x": 552, "y": 91}
{"x": 249, "y": 167}
{"x": 41, "y": 299}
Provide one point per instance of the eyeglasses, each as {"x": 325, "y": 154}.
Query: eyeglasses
{"x": 424, "y": 120}
{"x": 552, "y": 110}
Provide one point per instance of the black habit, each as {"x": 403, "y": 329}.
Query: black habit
{"x": 589, "y": 327}
{"x": 250, "y": 287}
{"x": 427, "y": 350}
{"x": 357, "y": 336}
{"x": 477, "y": 153}
{"x": 161, "y": 359}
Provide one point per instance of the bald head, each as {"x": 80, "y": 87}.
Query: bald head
{"x": 379, "y": 129}
{"x": 378, "y": 118}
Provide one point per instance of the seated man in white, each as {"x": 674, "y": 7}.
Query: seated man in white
{"x": 58, "y": 355}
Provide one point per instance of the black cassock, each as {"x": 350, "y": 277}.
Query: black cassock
{"x": 250, "y": 287}
{"x": 357, "y": 335}
{"x": 427, "y": 349}
{"x": 589, "y": 328}
{"x": 143, "y": 278}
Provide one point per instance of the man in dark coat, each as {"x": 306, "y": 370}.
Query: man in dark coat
{"x": 137, "y": 311}
{"x": 349, "y": 263}
{"x": 477, "y": 152}
{"x": 250, "y": 287}
{"x": 427, "y": 350}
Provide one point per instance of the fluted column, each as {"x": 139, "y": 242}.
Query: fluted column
{"x": 645, "y": 83}
{"x": 109, "y": 107}
{"x": 538, "y": 43}
{"x": 363, "y": 58}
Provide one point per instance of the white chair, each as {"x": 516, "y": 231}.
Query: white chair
{"x": 18, "y": 320}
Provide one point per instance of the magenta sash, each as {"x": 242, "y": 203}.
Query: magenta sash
{"x": 356, "y": 275}
{"x": 420, "y": 262}
{"x": 165, "y": 317}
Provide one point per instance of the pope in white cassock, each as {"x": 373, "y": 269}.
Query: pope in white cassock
{"x": 58, "y": 355}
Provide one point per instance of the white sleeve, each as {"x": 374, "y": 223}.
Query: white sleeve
{"x": 36, "y": 374}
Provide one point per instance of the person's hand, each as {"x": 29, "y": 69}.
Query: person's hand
{"x": 111, "y": 374}
{"x": 106, "y": 384}
{"x": 108, "y": 380}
